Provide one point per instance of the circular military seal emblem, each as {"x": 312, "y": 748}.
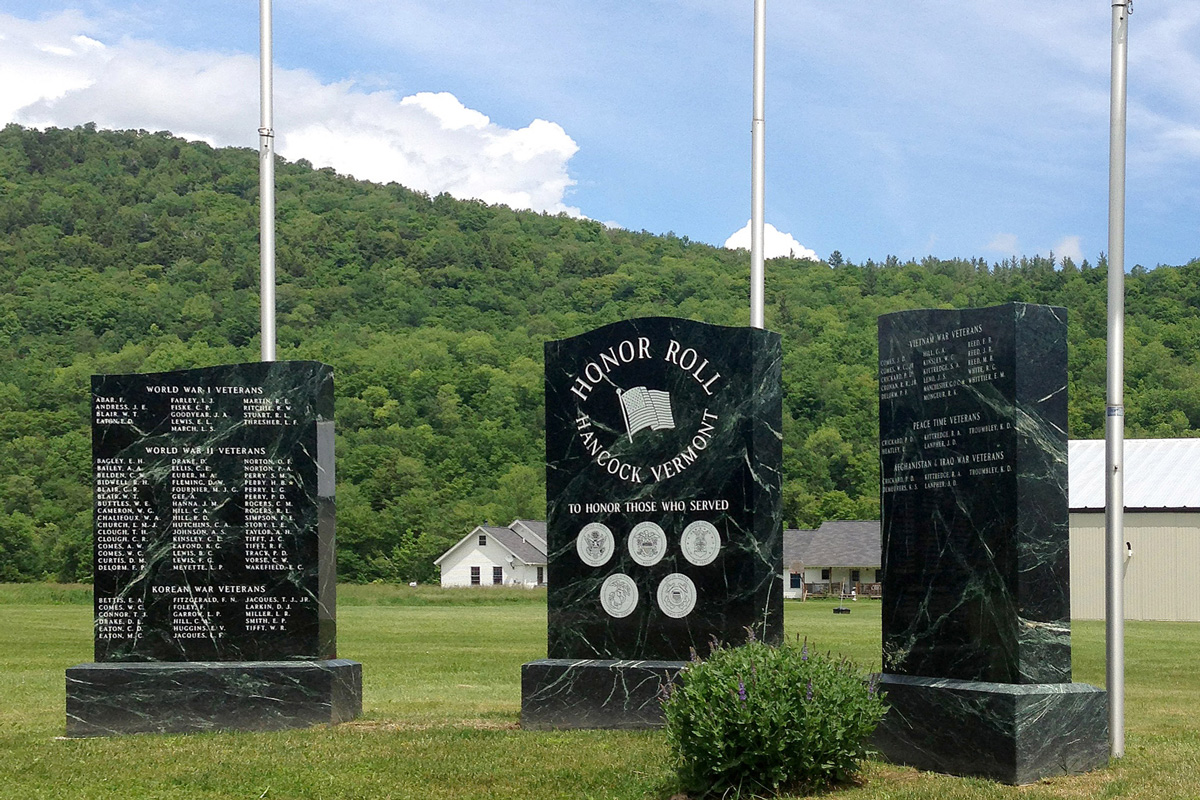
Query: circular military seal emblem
{"x": 595, "y": 544}
{"x": 618, "y": 595}
{"x": 647, "y": 543}
{"x": 677, "y": 595}
{"x": 700, "y": 543}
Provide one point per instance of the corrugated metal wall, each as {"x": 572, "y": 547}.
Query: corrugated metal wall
{"x": 1162, "y": 580}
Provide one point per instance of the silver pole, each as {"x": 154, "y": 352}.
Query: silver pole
{"x": 758, "y": 163}
{"x": 1114, "y": 428}
{"x": 266, "y": 187}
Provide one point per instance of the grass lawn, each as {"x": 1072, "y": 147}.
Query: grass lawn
{"x": 441, "y": 685}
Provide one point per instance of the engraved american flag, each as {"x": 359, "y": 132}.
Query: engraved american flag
{"x": 646, "y": 408}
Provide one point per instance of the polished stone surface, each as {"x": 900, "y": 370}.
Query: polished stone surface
{"x": 664, "y": 520}
{"x": 1014, "y": 733}
{"x": 973, "y": 443}
{"x": 214, "y": 554}
{"x": 191, "y": 697}
{"x": 976, "y": 593}
{"x": 583, "y": 693}
{"x": 663, "y": 455}
{"x": 214, "y": 513}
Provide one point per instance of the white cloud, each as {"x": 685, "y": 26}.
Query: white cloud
{"x": 44, "y": 60}
{"x": 776, "y": 243}
{"x": 1005, "y": 243}
{"x": 1069, "y": 247}
{"x": 450, "y": 112}
{"x": 433, "y": 142}
{"x": 52, "y": 74}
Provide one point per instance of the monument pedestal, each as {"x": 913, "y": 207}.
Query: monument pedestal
{"x": 215, "y": 585}
{"x": 1013, "y": 733}
{"x": 559, "y": 693}
{"x": 976, "y": 616}
{"x": 663, "y": 515}
{"x": 114, "y": 698}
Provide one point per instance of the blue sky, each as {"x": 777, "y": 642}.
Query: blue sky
{"x": 913, "y": 129}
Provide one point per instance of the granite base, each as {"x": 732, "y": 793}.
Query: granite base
{"x": 1012, "y": 733}
{"x": 558, "y": 693}
{"x": 115, "y": 698}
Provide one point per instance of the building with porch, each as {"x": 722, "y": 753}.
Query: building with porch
{"x": 840, "y": 558}
{"x": 1161, "y": 524}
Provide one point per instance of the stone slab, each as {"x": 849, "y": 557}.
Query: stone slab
{"x": 1013, "y": 733}
{"x": 663, "y": 486}
{"x": 591, "y": 693}
{"x": 108, "y": 699}
{"x": 214, "y": 513}
{"x": 973, "y": 443}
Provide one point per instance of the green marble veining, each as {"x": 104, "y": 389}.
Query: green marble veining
{"x": 975, "y": 542}
{"x": 664, "y": 449}
{"x": 1014, "y": 733}
{"x": 713, "y": 457}
{"x": 586, "y": 693}
{"x": 214, "y": 554}
{"x": 214, "y": 513}
{"x": 976, "y": 593}
{"x": 194, "y": 697}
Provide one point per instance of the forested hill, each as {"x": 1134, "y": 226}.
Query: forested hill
{"x": 130, "y": 251}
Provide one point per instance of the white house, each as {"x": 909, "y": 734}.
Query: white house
{"x": 494, "y": 556}
{"x": 1162, "y": 528}
{"x": 840, "y": 556}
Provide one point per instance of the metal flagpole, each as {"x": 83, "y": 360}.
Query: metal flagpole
{"x": 758, "y": 161}
{"x": 266, "y": 187}
{"x": 1114, "y": 428}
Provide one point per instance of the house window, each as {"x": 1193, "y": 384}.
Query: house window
{"x": 497, "y": 575}
{"x": 855, "y": 575}
{"x": 474, "y": 576}
{"x": 825, "y": 574}
{"x": 483, "y": 540}
{"x": 541, "y": 575}
{"x": 797, "y": 580}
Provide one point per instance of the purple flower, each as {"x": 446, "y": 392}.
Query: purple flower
{"x": 804, "y": 652}
{"x": 741, "y": 691}
{"x": 808, "y": 694}
{"x": 695, "y": 657}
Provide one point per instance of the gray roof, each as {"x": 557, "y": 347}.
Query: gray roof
{"x": 837, "y": 543}
{"x": 525, "y": 548}
{"x": 1159, "y": 474}
{"x": 534, "y": 529}
{"x": 522, "y": 542}
{"x": 795, "y": 544}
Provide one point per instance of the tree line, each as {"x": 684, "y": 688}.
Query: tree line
{"x": 130, "y": 251}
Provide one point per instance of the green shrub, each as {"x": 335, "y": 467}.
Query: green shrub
{"x": 759, "y": 719}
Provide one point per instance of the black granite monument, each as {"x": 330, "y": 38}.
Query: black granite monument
{"x": 664, "y": 528}
{"x": 976, "y": 587}
{"x": 213, "y": 554}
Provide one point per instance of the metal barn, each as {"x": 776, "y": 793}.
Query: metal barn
{"x": 1162, "y": 528}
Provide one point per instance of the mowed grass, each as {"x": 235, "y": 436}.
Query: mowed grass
{"x": 441, "y": 674}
